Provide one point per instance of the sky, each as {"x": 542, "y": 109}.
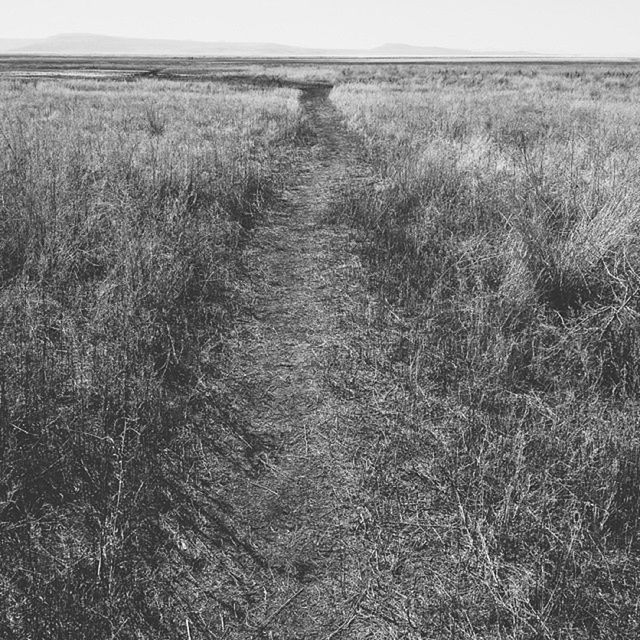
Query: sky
{"x": 581, "y": 27}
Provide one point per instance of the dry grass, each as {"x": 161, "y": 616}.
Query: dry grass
{"x": 123, "y": 211}
{"x": 478, "y": 475}
{"x": 503, "y": 221}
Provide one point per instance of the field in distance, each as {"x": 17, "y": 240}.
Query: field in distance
{"x": 210, "y": 68}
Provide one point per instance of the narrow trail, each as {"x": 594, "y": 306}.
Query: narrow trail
{"x": 311, "y": 386}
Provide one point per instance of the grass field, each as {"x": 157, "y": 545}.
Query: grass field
{"x": 503, "y": 221}
{"x": 466, "y": 396}
{"x": 123, "y": 212}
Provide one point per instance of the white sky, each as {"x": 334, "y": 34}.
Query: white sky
{"x": 587, "y": 27}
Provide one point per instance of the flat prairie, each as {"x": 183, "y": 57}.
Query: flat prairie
{"x": 319, "y": 348}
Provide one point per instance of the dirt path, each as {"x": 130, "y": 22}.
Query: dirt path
{"x": 311, "y": 387}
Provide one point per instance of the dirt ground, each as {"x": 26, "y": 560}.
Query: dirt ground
{"x": 335, "y": 554}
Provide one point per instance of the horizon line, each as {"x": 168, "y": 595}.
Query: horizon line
{"x": 462, "y": 51}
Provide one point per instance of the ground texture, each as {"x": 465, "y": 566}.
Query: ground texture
{"x": 318, "y": 399}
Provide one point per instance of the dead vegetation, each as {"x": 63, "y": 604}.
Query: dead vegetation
{"x": 123, "y": 212}
{"x": 216, "y": 422}
{"x": 503, "y": 222}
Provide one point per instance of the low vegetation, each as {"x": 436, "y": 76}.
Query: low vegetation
{"x": 478, "y": 457}
{"x": 502, "y": 220}
{"x": 124, "y": 208}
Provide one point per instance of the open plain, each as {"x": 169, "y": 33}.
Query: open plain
{"x": 319, "y": 349}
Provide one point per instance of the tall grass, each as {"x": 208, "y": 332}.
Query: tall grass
{"x": 123, "y": 208}
{"x": 504, "y": 221}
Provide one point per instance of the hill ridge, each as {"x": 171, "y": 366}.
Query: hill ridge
{"x": 96, "y": 44}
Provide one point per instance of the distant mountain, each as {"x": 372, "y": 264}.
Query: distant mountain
{"x": 393, "y": 50}
{"x": 9, "y": 44}
{"x": 407, "y": 50}
{"x": 92, "y": 44}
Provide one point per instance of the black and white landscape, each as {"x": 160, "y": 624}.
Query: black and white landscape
{"x": 304, "y": 342}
